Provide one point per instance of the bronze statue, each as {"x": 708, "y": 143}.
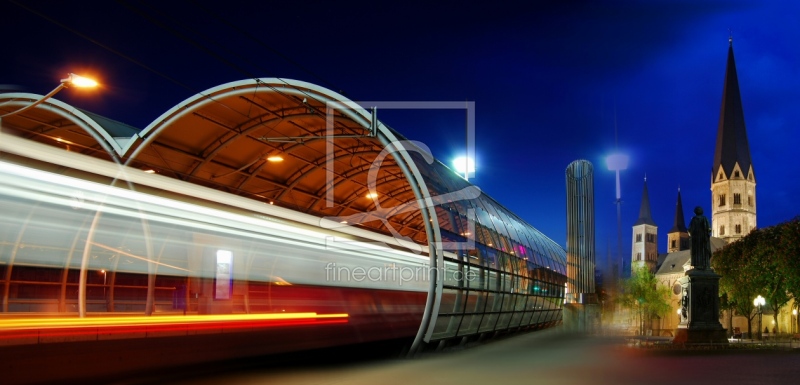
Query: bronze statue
{"x": 700, "y": 233}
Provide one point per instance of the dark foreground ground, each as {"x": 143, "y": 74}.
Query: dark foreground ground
{"x": 544, "y": 357}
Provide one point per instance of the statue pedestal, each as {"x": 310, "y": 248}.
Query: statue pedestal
{"x": 700, "y": 309}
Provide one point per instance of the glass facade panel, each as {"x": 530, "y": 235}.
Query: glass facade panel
{"x": 502, "y": 321}
{"x": 469, "y": 324}
{"x": 488, "y": 323}
{"x": 452, "y": 275}
{"x": 450, "y": 297}
{"x": 521, "y": 300}
{"x": 490, "y": 301}
{"x": 445, "y": 327}
{"x": 479, "y": 299}
{"x": 516, "y": 318}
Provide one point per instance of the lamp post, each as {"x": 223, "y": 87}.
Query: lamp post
{"x": 617, "y": 162}
{"x": 72, "y": 80}
{"x": 104, "y": 282}
{"x": 759, "y": 302}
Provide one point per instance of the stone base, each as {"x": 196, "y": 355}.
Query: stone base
{"x": 700, "y": 336}
{"x": 700, "y": 309}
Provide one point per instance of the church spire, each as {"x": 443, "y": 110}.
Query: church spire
{"x": 732, "y": 145}
{"x": 680, "y": 222}
{"x": 644, "y": 211}
{"x": 733, "y": 183}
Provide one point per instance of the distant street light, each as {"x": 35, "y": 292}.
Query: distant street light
{"x": 464, "y": 166}
{"x": 759, "y": 302}
{"x": 71, "y": 80}
{"x": 617, "y": 162}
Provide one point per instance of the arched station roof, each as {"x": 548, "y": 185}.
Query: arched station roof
{"x": 227, "y": 138}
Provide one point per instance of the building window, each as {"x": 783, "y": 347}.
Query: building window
{"x": 736, "y": 174}
{"x": 722, "y": 230}
{"x": 722, "y": 200}
{"x": 672, "y": 245}
{"x": 737, "y": 198}
{"x": 750, "y": 200}
{"x": 638, "y": 256}
{"x": 738, "y": 229}
{"x": 651, "y": 238}
{"x": 638, "y": 238}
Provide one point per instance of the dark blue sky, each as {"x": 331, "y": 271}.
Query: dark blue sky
{"x": 547, "y": 80}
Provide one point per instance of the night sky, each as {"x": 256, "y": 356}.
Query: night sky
{"x": 550, "y": 83}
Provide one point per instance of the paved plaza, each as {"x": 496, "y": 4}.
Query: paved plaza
{"x": 545, "y": 357}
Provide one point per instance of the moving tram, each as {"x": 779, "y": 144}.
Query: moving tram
{"x": 259, "y": 216}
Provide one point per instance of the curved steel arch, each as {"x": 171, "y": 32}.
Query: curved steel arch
{"x": 94, "y": 129}
{"x": 333, "y": 102}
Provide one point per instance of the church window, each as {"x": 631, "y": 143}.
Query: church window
{"x": 738, "y": 229}
{"x": 750, "y": 200}
{"x": 721, "y": 200}
{"x": 638, "y": 238}
{"x": 722, "y": 230}
{"x": 737, "y": 199}
{"x": 672, "y": 245}
{"x": 651, "y": 238}
{"x": 736, "y": 174}
{"x": 638, "y": 256}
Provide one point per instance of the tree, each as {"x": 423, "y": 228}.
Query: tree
{"x": 726, "y": 304}
{"x": 773, "y": 260}
{"x": 642, "y": 294}
{"x": 790, "y": 248}
{"x": 739, "y": 281}
{"x": 765, "y": 262}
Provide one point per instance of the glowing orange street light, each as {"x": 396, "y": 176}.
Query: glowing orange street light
{"x": 79, "y": 81}
{"x": 71, "y": 80}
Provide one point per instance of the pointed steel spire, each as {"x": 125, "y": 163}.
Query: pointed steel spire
{"x": 644, "y": 211}
{"x": 732, "y": 145}
{"x": 680, "y": 222}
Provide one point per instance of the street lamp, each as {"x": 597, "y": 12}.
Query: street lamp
{"x": 104, "y": 282}
{"x": 759, "y": 302}
{"x": 617, "y": 162}
{"x": 464, "y": 166}
{"x": 72, "y": 80}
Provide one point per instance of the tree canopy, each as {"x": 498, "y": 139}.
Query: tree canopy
{"x": 642, "y": 293}
{"x": 765, "y": 262}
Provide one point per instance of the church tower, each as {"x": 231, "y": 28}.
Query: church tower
{"x": 645, "y": 236}
{"x": 733, "y": 183}
{"x": 678, "y": 236}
